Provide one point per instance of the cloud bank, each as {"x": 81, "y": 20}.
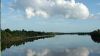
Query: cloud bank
{"x": 50, "y": 8}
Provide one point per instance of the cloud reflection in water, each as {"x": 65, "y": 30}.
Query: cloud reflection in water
{"x": 66, "y": 52}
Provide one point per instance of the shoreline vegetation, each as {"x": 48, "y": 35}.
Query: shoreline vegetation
{"x": 17, "y": 37}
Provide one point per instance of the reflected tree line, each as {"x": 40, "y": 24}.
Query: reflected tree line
{"x": 18, "y": 37}
{"x": 95, "y": 36}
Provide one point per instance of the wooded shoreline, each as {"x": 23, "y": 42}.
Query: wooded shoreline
{"x": 17, "y": 37}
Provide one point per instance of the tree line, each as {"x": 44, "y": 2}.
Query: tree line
{"x": 11, "y": 34}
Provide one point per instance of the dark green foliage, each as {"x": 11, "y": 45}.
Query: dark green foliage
{"x": 9, "y": 37}
{"x": 21, "y": 33}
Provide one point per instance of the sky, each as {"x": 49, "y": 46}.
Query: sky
{"x": 51, "y": 15}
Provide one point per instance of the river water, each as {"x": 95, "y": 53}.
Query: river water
{"x": 60, "y": 45}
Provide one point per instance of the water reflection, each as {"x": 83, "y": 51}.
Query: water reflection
{"x": 17, "y": 43}
{"x": 95, "y": 35}
{"x": 66, "y": 52}
{"x": 5, "y": 45}
{"x": 95, "y": 39}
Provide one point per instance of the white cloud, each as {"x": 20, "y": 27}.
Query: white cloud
{"x": 29, "y": 12}
{"x": 41, "y": 13}
{"x": 49, "y": 8}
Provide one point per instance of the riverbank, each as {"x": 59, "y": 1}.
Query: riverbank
{"x": 18, "y": 37}
{"x": 8, "y": 35}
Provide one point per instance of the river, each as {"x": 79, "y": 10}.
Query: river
{"x": 60, "y": 45}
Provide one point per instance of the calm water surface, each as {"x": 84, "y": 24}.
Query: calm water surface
{"x": 60, "y": 45}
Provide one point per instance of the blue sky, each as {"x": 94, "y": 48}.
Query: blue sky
{"x": 61, "y": 17}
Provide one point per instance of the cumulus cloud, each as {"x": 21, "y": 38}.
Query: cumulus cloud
{"x": 29, "y": 12}
{"x": 67, "y": 52}
{"x": 50, "y": 8}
